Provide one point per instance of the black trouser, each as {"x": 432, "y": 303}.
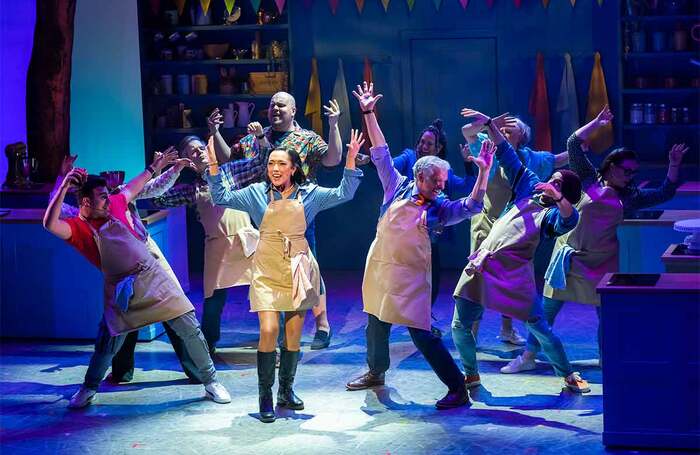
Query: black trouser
{"x": 431, "y": 346}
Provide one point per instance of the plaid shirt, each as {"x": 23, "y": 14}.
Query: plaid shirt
{"x": 241, "y": 173}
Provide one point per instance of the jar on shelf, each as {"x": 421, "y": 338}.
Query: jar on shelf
{"x": 685, "y": 114}
{"x": 662, "y": 114}
{"x": 674, "y": 115}
{"x": 649, "y": 113}
{"x": 636, "y": 114}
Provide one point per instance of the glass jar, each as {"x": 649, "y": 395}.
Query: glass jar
{"x": 636, "y": 114}
{"x": 662, "y": 114}
{"x": 674, "y": 115}
{"x": 685, "y": 115}
{"x": 649, "y": 114}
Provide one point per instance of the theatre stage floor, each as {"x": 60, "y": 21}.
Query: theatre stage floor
{"x": 160, "y": 412}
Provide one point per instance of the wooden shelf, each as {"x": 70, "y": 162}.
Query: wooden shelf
{"x": 210, "y": 96}
{"x": 217, "y": 61}
{"x": 197, "y": 130}
{"x": 642, "y": 126}
{"x": 661, "y": 54}
{"x": 219, "y": 28}
{"x": 661, "y": 91}
{"x": 659, "y": 18}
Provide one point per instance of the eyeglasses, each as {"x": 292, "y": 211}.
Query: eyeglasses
{"x": 629, "y": 172}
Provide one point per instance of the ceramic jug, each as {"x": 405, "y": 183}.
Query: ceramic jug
{"x": 245, "y": 110}
{"x": 230, "y": 116}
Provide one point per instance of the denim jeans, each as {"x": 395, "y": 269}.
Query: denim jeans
{"x": 429, "y": 345}
{"x": 466, "y": 312}
{"x": 187, "y": 329}
{"x": 211, "y": 316}
{"x": 550, "y": 310}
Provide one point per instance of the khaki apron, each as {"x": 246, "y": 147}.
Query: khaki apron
{"x": 157, "y": 296}
{"x": 397, "y": 281}
{"x": 595, "y": 245}
{"x": 506, "y": 282}
{"x": 282, "y": 244}
{"x": 498, "y": 193}
{"x": 225, "y": 261}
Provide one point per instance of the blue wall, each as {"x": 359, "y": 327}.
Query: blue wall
{"x": 387, "y": 38}
{"x": 106, "y": 108}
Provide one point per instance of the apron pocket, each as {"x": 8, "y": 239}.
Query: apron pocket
{"x": 123, "y": 293}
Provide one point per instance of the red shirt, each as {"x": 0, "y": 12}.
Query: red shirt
{"x": 81, "y": 235}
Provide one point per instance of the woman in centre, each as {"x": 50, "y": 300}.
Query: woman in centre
{"x": 286, "y": 277}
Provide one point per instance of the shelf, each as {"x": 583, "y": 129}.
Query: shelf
{"x": 642, "y": 126}
{"x": 661, "y": 54}
{"x": 659, "y": 18}
{"x": 211, "y": 96}
{"x": 661, "y": 91}
{"x": 218, "y": 61}
{"x": 196, "y": 130}
{"x": 219, "y": 28}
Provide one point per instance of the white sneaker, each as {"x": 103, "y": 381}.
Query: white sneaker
{"x": 216, "y": 392}
{"x": 512, "y": 337}
{"x": 517, "y": 365}
{"x": 81, "y": 398}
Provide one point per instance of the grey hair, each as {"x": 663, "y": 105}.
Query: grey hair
{"x": 525, "y": 132}
{"x": 427, "y": 164}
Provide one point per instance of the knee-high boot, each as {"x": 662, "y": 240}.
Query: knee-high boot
{"x": 286, "y": 397}
{"x": 266, "y": 379}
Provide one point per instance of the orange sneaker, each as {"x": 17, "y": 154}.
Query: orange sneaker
{"x": 576, "y": 384}
{"x": 472, "y": 380}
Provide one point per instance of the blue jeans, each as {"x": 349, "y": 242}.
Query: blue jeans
{"x": 551, "y": 308}
{"x": 185, "y": 326}
{"x": 466, "y": 312}
{"x": 429, "y": 345}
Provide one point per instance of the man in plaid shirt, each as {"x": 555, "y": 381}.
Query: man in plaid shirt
{"x": 283, "y": 132}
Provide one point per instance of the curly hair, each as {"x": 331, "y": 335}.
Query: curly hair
{"x": 436, "y": 129}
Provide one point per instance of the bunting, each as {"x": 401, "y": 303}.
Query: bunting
{"x": 573, "y": 3}
{"x": 180, "y": 4}
{"x": 545, "y": 3}
{"x": 256, "y": 5}
{"x": 229, "y": 5}
{"x": 489, "y": 3}
{"x": 340, "y": 94}
{"x": 369, "y": 77}
{"x": 539, "y": 107}
{"x": 437, "y": 4}
{"x": 360, "y": 5}
{"x": 205, "y": 6}
{"x": 464, "y": 3}
{"x": 410, "y": 4}
{"x": 602, "y": 138}
{"x": 385, "y": 3}
{"x": 517, "y": 3}
{"x": 313, "y": 101}
{"x": 567, "y": 103}
{"x": 280, "y": 5}
{"x": 334, "y": 6}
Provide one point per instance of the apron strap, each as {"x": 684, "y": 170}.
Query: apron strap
{"x": 517, "y": 179}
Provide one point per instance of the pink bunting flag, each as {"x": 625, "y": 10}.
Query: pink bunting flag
{"x": 280, "y": 5}
{"x": 517, "y": 3}
{"x": 464, "y": 3}
{"x": 334, "y": 5}
{"x": 360, "y": 5}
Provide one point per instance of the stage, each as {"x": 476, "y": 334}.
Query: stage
{"x": 160, "y": 412}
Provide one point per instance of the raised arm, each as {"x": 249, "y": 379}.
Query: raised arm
{"x": 576, "y": 147}
{"x": 67, "y": 210}
{"x": 223, "y": 151}
{"x": 334, "y": 153}
{"x": 52, "y": 217}
{"x": 135, "y": 185}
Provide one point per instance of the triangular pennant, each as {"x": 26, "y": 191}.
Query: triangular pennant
{"x": 205, "y": 6}
{"x": 369, "y": 78}
{"x": 567, "y": 103}
{"x": 229, "y": 5}
{"x": 517, "y": 3}
{"x": 489, "y": 3}
{"x": 360, "y": 5}
{"x": 600, "y": 2}
{"x": 410, "y": 4}
{"x": 464, "y": 3}
{"x": 437, "y": 4}
{"x": 334, "y": 5}
{"x": 313, "y": 101}
{"x": 308, "y": 3}
{"x": 280, "y": 5}
{"x": 180, "y": 4}
{"x": 602, "y": 138}
{"x": 256, "y": 4}
{"x": 340, "y": 94}
{"x": 573, "y": 3}
{"x": 539, "y": 107}
{"x": 545, "y": 3}
{"x": 386, "y": 5}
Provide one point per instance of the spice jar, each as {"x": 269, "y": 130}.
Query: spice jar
{"x": 636, "y": 114}
{"x": 674, "y": 115}
{"x": 649, "y": 114}
{"x": 662, "y": 114}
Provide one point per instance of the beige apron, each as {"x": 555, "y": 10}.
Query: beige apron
{"x": 225, "y": 261}
{"x": 397, "y": 281}
{"x": 157, "y": 295}
{"x": 498, "y": 193}
{"x": 282, "y": 244}
{"x": 506, "y": 281}
{"x": 594, "y": 240}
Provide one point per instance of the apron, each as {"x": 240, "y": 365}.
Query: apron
{"x": 397, "y": 283}
{"x": 156, "y": 295}
{"x": 506, "y": 281}
{"x": 286, "y": 276}
{"x": 498, "y": 193}
{"x": 595, "y": 245}
{"x": 225, "y": 240}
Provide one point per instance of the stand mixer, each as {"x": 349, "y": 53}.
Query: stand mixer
{"x": 19, "y": 166}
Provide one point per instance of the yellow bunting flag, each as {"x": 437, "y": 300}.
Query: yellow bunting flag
{"x": 205, "y": 6}
{"x": 602, "y": 138}
{"x": 229, "y": 5}
{"x": 539, "y": 108}
{"x": 180, "y": 6}
{"x": 410, "y": 4}
{"x": 386, "y": 5}
{"x": 360, "y": 5}
{"x": 313, "y": 101}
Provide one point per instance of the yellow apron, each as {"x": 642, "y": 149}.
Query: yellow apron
{"x": 157, "y": 296}
{"x": 397, "y": 281}
{"x": 498, "y": 193}
{"x": 286, "y": 276}
{"x": 506, "y": 280}
{"x": 594, "y": 240}
{"x": 225, "y": 231}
